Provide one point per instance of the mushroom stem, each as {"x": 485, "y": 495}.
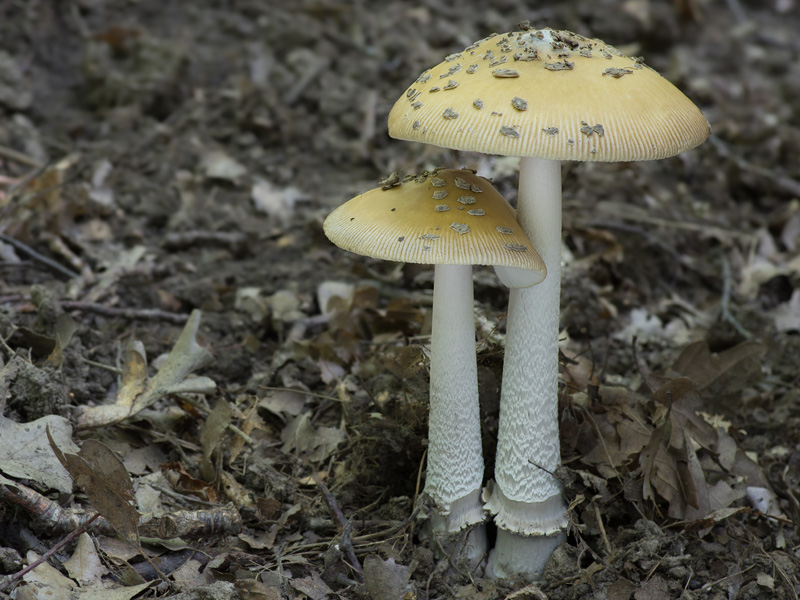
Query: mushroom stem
{"x": 455, "y": 456}
{"x": 527, "y": 497}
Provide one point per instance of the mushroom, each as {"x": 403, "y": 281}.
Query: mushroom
{"x": 546, "y": 96}
{"x": 452, "y": 219}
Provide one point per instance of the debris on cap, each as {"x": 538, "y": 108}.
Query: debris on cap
{"x": 548, "y": 94}
{"x": 445, "y": 216}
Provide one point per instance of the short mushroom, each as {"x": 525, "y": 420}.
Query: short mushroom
{"x": 452, "y": 219}
{"x": 546, "y": 96}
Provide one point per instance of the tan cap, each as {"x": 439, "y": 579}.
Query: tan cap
{"x": 548, "y": 94}
{"x": 448, "y": 216}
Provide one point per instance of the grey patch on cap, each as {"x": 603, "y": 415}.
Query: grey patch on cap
{"x": 505, "y": 73}
{"x": 591, "y": 129}
{"x": 617, "y": 73}
{"x": 519, "y": 103}
{"x": 509, "y": 131}
{"x": 564, "y": 65}
{"x": 516, "y": 247}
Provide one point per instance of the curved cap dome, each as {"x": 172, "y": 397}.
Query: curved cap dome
{"x": 448, "y": 216}
{"x": 548, "y": 94}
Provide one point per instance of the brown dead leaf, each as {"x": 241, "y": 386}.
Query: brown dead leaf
{"x": 401, "y": 316}
{"x": 403, "y": 361}
{"x": 715, "y": 517}
{"x": 269, "y": 508}
{"x": 312, "y": 586}
{"x": 653, "y": 589}
{"x": 621, "y": 429}
{"x": 680, "y": 399}
{"x": 317, "y": 444}
{"x": 46, "y": 580}
{"x": 184, "y": 483}
{"x": 669, "y": 462}
{"x": 24, "y": 450}
{"x": 250, "y": 422}
{"x": 214, "y": 428}
{"x": 85, "y": 565}
{"x": 64, "y": 330}
{"x": 139, "y": 392}
{"x": 284, "y": 402}
{"x": 385, "y": 579}
{"x": 104, "y": 480}
{"x": 253, "y": 589}
{"x": 721, "y": 373}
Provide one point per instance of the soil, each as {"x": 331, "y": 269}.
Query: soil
{"x": 160, "y": 158}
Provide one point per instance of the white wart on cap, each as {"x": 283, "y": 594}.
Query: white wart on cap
{"x": 548, "y": 94}
{"x": 448, "y": 216}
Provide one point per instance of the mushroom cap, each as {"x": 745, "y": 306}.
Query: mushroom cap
{"x": 448, "y": 216}
{"x": 548, "y": 94}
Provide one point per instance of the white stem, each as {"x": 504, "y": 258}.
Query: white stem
{"x": 529, "y": 505}
{"x": 455, "y": 457}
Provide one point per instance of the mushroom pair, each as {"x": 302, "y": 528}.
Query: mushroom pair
{"x": 546, "y": 96}
{"x": 452, "y": 219}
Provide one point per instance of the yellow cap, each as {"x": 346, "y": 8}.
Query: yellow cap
{"x": 548, "y": 94}
{"x": 448, "y": 216}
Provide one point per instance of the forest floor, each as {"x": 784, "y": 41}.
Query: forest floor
{"x": 166, "y": 294}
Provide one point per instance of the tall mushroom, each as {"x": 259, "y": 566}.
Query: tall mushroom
{"x": 452, "y": 219}
{"x": 546, "y": 96}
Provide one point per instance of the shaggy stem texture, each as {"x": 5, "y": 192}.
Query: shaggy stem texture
{"x": 455, "y": 456}
{"x": 527, "y": 497}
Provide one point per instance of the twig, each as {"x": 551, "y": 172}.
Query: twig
{"x": 49, "y": 262}
{"x": 215, "y": 521}
{"x": 182, "y": 240}
{"x": 134, "y": 314}
{"x": 711, "y": 584}
{"x": 12, "y": 579}
{"x": 99, "y": 365}
{"x": 725, "y": 300}
{"x": 786, "y": 184}
{"x": 387, "y": 533}
{"x": 288, "y": 389}
{"x": 204, "y": 411}
{"x": 705, "y": 228}
{"x": 310, "y": 74}
{"x": 6, "y": 347}
{"x": 346, "y": 529}
{"x": 19, "y": 157}
{"x": 599, "y": 518}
